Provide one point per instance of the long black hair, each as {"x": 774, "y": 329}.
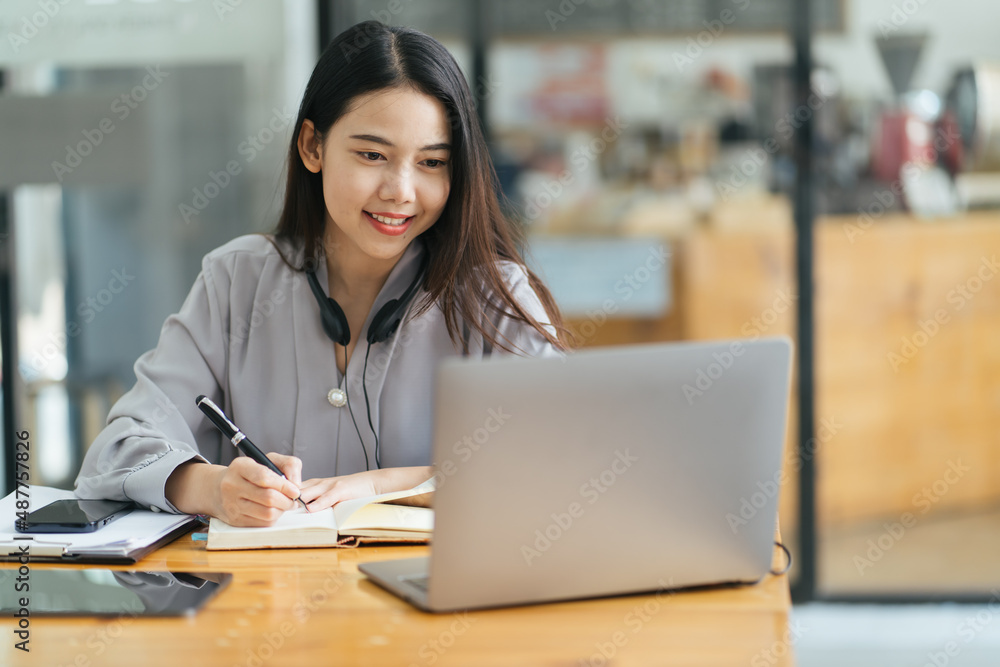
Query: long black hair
{"x": 472, "y": 234}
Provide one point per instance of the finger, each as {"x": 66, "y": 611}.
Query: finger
{"x": 313, "y": 491}
{"x": 240, "y": 511}
{"x": 290, "y": 465}
{"x": 260, "y": 476}
{"x": 259, "y": 514}
{"x": 251, "y": 481}
{"x": 320, "y": 502}
{"x": 243, "y": 521}
{"x": 270, "y": 498}
{"x": 330, "y": 497}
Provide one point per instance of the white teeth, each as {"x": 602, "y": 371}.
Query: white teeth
{"x": 392, "y": 222}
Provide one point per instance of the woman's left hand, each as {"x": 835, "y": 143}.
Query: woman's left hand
{"x": 322, "y": 492}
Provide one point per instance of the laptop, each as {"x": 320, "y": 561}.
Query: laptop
{"x": 611, "y": 471}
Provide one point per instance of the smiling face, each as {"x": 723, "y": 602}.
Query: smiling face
{"x": 386, "y": 173}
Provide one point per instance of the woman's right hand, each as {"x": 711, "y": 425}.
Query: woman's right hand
{"x": 252, "y": 495}
{"x": 244, "y": 493}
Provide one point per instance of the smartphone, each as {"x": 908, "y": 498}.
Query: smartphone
{"x": 73, "y": 516}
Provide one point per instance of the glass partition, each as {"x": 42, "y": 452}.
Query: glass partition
{"x": 907, "y": 372}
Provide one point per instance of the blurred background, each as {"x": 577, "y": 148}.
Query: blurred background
{"x": 661, "y": 154}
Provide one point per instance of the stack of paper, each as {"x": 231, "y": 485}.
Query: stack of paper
{"x": 125, "y": 540}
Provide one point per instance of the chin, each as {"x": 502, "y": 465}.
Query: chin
{"x": 389, "y": 251}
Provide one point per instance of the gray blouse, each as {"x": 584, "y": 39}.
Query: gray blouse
{"x": 249, "y": 337}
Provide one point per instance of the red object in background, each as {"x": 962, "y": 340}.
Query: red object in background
{"x": 571, "y": 89}
{"x": 953, "y": 154}
{"x": 728, "y": 84}
{"x": 901, "y": 137}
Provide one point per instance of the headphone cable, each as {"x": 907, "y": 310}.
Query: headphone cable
{"x": 364, "y": 380}
{"x": 368, "y": 405}
{"x": 347, "y": 393}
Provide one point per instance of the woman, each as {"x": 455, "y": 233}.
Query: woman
{"x": 389, "y": 196}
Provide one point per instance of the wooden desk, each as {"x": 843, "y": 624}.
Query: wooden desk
{"x": 312, "y": 607}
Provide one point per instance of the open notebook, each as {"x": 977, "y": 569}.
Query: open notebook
{"x": 379, "y": 518}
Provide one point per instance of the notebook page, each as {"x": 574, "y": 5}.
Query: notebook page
{"x": 292, "y": 520}
{"x": 346, "y": 508}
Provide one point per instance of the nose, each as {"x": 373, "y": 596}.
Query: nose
{"x": 398, "y": 185}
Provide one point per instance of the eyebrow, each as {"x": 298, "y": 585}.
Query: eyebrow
{"x": 375, "y": 139}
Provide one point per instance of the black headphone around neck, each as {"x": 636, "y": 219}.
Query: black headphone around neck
{"x": 383, "y": 326}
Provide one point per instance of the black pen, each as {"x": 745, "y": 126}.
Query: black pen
{"x": 237, "y": 437}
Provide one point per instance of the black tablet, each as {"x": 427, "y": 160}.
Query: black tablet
{"x": 103, "y": 592}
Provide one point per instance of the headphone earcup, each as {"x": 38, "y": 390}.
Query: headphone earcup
{"x": 331, "y": 315}
{"x": 385, "y": 322}
{"x": 335, "y": 322}
{"x": 388, "y": 317}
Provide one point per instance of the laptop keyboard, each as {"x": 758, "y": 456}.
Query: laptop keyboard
{"x": 420, "y": 581}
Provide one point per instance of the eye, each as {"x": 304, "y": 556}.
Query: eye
{"x": 370, "y": 156}
{"x": 434, "y": 163}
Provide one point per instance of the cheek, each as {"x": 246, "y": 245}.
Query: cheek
{"x": 344, "y": 188}
{"x": 441, "y": 192}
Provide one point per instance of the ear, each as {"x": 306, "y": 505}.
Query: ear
{"x": 310, "y": 147}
